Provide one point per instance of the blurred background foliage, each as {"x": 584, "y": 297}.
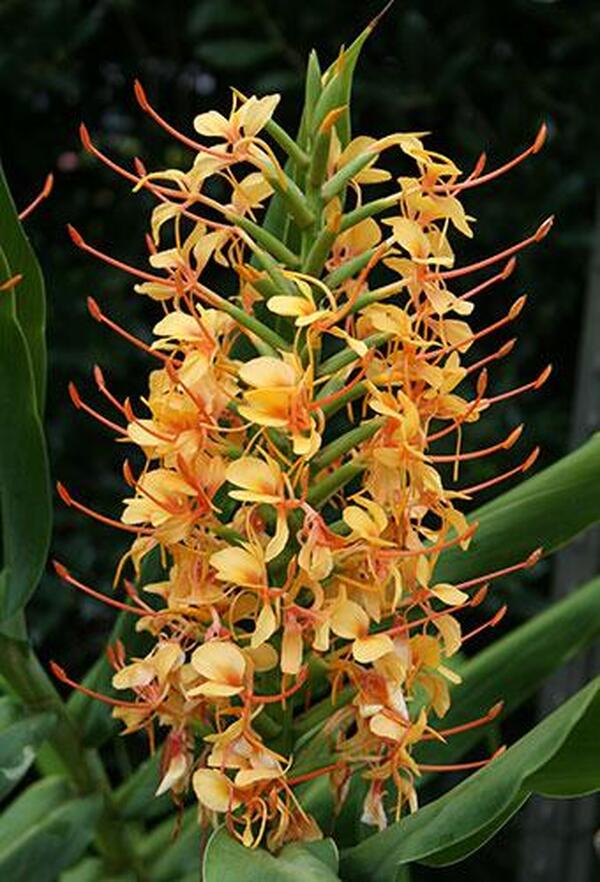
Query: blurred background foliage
{"x": 478, "y": 75}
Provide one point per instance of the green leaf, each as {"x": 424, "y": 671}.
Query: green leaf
{"x": 51, "y": 844}
{"x": 169, "y": 858}
{"x": 538, "y": 647}
{"x": 225, "y": 858}
{"x": 547, "y": 759}
{"x": 32, "y": 806}
{"x": 18, "y": 744}
{"x": 547, "y": 510}
{"x": 92, "y": 869}
{"x": 24, "y": 477}
{"x": 136, "y": 799}
{"x": 31, "y": 302}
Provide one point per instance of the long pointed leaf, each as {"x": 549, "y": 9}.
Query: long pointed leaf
{"x": 31, "y": 304}
{"x": 56, "y": 841}
{"x": 24, "y": 476}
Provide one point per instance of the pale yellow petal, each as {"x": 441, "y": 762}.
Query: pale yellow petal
{"x": 449, "y": 594}
{"x": 220, "y": 661}
{"x": 212, "y": 124}
{"x": 253, "y": 473}
{"x": 214, "y": 790}
{"x": 267, "y": 371}
{"x": 291, "y": 651}
{"x": 384, "y": 727}
{"x": 368, "y": 649}
{"x": 238, "y": 565}
{"x": 266, "y": 624}
{"x": 349, "y": 620}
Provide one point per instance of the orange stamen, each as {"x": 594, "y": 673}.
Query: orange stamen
{"x": 541, "y": 232}
{"x": 535, "y": 384}
{"x": 506, "y": 444}
{"x": 81, "y": 405}
{"x": 491, "y": 623}
{"x": 103, "y": 519}
{"x": 310, "y": 776}
{"x": 43, "y": 194}
{"x": 526, "y": 464}
{"x": 488, "y": 577}
{"x": 503, "y": 351}
{"x": 501, "y": 170}
{"x": 510, "y": 316}
{"x": 481, "y": 387}
{"x": 80, "y": 242}
{"x": 101, "y": 317}
{"x": 459, "y": 767}
{"x": 63, "y": 573}
{"x": 11, "y": 283}
{"x": 61, "y": 675}
{"x": 189, "y": 142}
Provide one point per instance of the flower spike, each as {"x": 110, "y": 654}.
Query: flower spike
{"x": 287, "y": 551}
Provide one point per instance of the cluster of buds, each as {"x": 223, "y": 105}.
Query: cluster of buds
{"x": 288, "y": 480}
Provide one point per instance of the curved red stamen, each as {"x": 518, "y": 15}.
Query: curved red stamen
{"x": 82, "y": 405}
{"x": 489, "y": 577}
{"x": 80, "y": 242}
{"x": 142, "y": 100}
{"x": 61, "y": 675}
{"x": 11, "y": 283}
{"x": 101, "y": 317}
{"x": 43, "y": 194}
{"x": 510, "y": 316}
{"x": 103, "y": 519}
{"x": 539, "y": 234}
{"x": 491, "y": 623}
{"x": 502, "y": 352}
{"x": 481, "y": 387}
{"x": 505, "y": 444}
{"x": 527, "y": 387}
{"x": 493, "y": 280}
{"x": 459, "y": 767}
{"x": 63, "y": 573}
{"x": 526, "y": 464}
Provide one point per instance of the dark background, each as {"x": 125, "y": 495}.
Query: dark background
{"x": 478, "y": 75}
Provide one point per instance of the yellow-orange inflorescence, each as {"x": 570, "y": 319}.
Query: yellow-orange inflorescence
{"x": 289, "y": 481}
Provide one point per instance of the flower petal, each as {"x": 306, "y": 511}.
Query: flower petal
{"x": 214, "y": 790}
{"x": 220, "y": 661}
{"x": 368, "y": 649}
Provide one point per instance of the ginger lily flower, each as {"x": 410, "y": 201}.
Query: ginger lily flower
{"x": 292, "y": 489}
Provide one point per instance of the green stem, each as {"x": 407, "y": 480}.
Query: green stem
{"x": 349, "y": 269}
{"x": 339, "y": 180}
{"x": 368, "y": 210}
{"x": 350, "y": 395}
{"x": 30, "y": 683}
{"x": 292, "y": 196}
{"x": 347, "y": 441}
{"x": 273, "y": 245}
{"x": 333, "y": 482}
{"x": 319, "y": 252}
{"x": 287, "y": 143}
{"x": 347, "y": 356}
{"x": 252, "y": 324}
